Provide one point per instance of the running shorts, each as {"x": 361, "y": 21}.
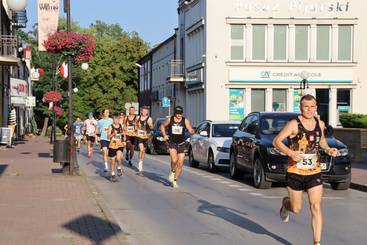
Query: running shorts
{"x": 303, "y": 182}
{"x": 113, "y": 152}
{"x": 179, "y": 147}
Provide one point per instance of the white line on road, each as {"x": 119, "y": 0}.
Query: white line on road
{"x": 235, "y": 186}
{"x": 224, "y": 182}
{"x": 244, "y": 189}
{"x": 256, "y": 194}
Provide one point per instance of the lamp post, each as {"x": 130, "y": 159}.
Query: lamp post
{"x": 17, "y": 5}
{"x": 303, "y": 85}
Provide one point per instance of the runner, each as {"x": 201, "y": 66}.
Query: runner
{"x": 177, "y": 143}
{"x": 90, "y": 129}
{"x": 103, "y": 125}
{"x": 143, "y": 127}
{"x": 116, "y": 145}
{"x": 305, "y": 135}
{"x": 78, "y": 131}
{"x": 130, "y": 132}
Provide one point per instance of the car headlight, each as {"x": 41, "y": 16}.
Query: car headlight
{"x": 343, "y": 152}
{"x": 160, "y": 138}
{"x": 275, "y": 151}
{"x": 223, "y": 149}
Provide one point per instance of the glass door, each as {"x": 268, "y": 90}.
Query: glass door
{"x": 322, "y": 96}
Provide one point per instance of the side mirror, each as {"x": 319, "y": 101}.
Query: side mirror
{"x": 252, "y": 128}
{"x": 329, "y": 131}
{"x": 203, "y": 133}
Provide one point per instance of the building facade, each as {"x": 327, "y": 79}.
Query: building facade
{"x": 241, "y": 56}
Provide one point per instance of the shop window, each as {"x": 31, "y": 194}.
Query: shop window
{"x": 257, "y": 99}
{"x": 323, "y": 43}
{"x": 301, "y": 42}
{"x": 279, "y": 100}
{"x": 345, "y": 42}
{"x": 237, "y": 37}
{"x": 280, "y": 42}
{"x": 258, "y": 42}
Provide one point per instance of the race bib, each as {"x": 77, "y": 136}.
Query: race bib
{"x": 117, "y": 137}
{"x": 105, "y": 129}
{"x": 77, "y": 131}
{"x": 308, "y": 163}
{"x": 177, "y": 129}
{"x": 142, "y": 134}
{"x": 130, "y": 129}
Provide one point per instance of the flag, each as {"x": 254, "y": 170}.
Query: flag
{"x": 63, "y": 69}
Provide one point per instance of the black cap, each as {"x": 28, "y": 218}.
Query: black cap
{"x": 178, "y": 110}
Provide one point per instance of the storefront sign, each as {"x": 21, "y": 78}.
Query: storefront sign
{"x": 18, "y": 101}
{"x": 194, "y": 76}
{"x": 236, "y": 104}
{"x": 30, "y": 101}
{"x": 48, "y": 19}
{"x": 294, "y": 6}
{"x": 289, "y": 75}
{"x": 18, "y": 87}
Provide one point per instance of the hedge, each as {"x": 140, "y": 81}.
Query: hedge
{"x": 350, "y": 120}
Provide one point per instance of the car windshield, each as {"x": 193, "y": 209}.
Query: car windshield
{"x": 224, "y": 130}
{"x": 158, "y": 124}
{"x": 273, "y": 125}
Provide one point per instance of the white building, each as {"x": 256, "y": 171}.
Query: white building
{"x": 247, "y": 55}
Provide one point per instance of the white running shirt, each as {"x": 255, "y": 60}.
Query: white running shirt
{"x": 90, "y": 125}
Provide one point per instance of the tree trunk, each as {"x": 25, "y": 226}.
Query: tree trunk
{"x": 45, "y": 126}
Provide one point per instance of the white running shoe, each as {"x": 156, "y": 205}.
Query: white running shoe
{"x": 171, "y": 176}
{"x": 284, "y": 212}
{"x": 140, "y": 166}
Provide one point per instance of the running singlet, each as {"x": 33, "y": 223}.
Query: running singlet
{"x": 177, "y": 131}
{"x": 130, "y": 126}
{"x": 77, "y": 126}
{"x": 308, "y": 143}
{"x": 143, "y": 130}
{"x": 103, "y": 125}
{"x": 117, "y": 140}
{"x": 90, "y": 125}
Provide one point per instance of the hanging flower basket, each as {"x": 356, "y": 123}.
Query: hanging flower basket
{"x": 57, "y": 110}
{"x": 41, "y": 72}
{"x": 52, "y": 96}
{"x": 79, "y": 46}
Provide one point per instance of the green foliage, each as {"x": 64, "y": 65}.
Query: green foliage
{"x": 110, "y": 81}
{"x": 58, "y": 131}
{"x": 350, "y": 120}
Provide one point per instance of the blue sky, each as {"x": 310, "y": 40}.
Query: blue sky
{"x": 154, "y": 20}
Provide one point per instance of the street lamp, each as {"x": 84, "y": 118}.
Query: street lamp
{"x": 303, "y": 85}
{"x": 84, "y": 66}
{"x": 17, "y": 5}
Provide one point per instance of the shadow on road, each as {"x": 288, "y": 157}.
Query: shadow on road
{"x": 2, "y": 168}
{"x": 44, "y": 155}
{"x": 94, "y": 228}
{"x": 157, "y": 178}
{"x": 237, "y": 218}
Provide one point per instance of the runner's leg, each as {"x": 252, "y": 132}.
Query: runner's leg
{"x": 119, "y": 156}
{"x": 294, "y": 204}
{"x": 141, "y": 156}
{"x": 180, "y": 162}
{"x": 174, "y": 158}
{"x": 315, "y": 200}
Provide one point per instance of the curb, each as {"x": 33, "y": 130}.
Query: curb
{"x": 120, "y": 235}
{"x": 358, "y": 187}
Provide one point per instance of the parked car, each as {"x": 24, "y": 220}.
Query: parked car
{"x": 252, "y": 151}
{"x": 156, "y": 143}
{"x": 211, "y": 143}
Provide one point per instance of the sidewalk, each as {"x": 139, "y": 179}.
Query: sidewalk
{"x": 39, "y": 205}
{"x": 359, "y": 176}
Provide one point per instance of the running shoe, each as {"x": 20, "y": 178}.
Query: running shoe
{"x": 113, "y": 178}
{"x": 174, "y": 184}
{"x": 119, "y": 172}
{"x": 284, "y": 213}
{"x": 171, "y": 177}
{"x": 105, "y": 170}
{"x": 317, "y": 243}
{"x": 130, "y": 163}
{"x": 140, "y": 166}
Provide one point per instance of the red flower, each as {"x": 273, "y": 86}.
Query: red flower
{"x": 52, "y": 96}
{"x": 57, "y": 110}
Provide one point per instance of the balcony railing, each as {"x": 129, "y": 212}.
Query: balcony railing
{"x": 176, "y": 71}
{"x": 8, "y": 47}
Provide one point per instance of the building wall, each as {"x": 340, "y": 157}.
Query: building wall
{"x": 221, "y": 70}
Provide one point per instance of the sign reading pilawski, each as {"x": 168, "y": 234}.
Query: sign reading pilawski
{"x": 48, "y": 19}
{"x": 236, "y": 104}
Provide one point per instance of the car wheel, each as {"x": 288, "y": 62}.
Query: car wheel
{"x": 234, "y": 172}
{"x": 259, "y": 176}
{"x": 340, "y": 186}
{"x": 192, "y": 161}
{"x": 211, "y": 162}
{"x": 152, "y": 151}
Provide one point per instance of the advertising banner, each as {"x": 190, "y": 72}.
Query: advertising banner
{"x": 48, "y": 19}
{"x": 236, "y": 104}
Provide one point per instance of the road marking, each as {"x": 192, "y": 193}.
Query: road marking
{"x": 272, "y": 197}
{"x": 224, "y": 182}
{"x": 256, "y": 194}
{"x": 207, "y": 176}
{"x": 235, "y": 186}
{"x": 244, "y": 189}
{"x": 333, "y": 198}
{"x": 216, "y": 179}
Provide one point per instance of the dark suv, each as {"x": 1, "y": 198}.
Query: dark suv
{"x": 252, "y": 151}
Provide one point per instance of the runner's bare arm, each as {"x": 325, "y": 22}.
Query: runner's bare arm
{"x": 289, "y": 130}
{"x": 188, "y": 126}
{"x": 150, "y": 123}
{"x": 163, "y": 128}
{"x": 323, "y": 143}
{"x": 109, "y": 134}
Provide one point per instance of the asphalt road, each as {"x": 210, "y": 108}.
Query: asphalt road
{"x": 210, "y": 208}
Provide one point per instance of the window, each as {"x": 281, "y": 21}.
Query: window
{"x": 280, "y": 42}
{"x": 343, "y": 100}
{"x": 237, "y": 37}
{"x": 323, "y": 43}
{"x": 246, "y": 122}
{"x": 258, "y": 42}
{"x": 279, "y": 100}
{"x": 258, "y": 100}
{"x": 345, "y": 42}
{"x": 301, "y": 41}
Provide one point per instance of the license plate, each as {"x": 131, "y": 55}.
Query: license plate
{"x": 323, "y": 166}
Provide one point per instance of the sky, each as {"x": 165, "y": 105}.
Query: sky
{"x": 154, "y": 20}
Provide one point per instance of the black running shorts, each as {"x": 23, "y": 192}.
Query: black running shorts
{"x": 303, "y": 182}
{"x": 113, "y": 152}
{"x": 179, "y": 147}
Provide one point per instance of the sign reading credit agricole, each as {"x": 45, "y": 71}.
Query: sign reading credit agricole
{"x": 289, "y": 75}
{"x": 294, "y": 6}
